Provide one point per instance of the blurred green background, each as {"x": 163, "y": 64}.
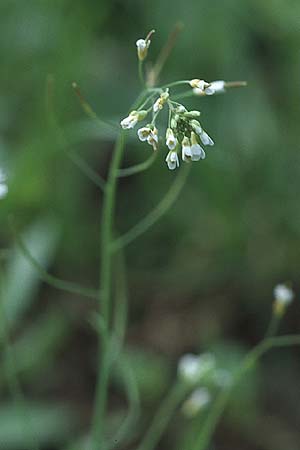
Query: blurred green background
{"x": 203, "y": 277}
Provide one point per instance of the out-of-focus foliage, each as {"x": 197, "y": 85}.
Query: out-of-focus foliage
{"x": 203, "y": 276}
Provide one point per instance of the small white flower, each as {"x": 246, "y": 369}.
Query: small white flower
{"x": 3, "y": 185}
{"x": 153, "y": 138}
{"x": 3, "y": 190}
{"x": 2, "y": 176}
{"x": 180, "y": 109}
{"x": 133, "y": 118}
{"x": 129, "y": 121}
{"x": 171, "y": 140}
{"x": 186, "y": 152}
{"x": 203, "y": 88}
{"x": 218, "y": 86}
{"x": 206, "y": 140}
{"x": 197, "y": 152}
{"x": 159, "y": 104}
{"x": 142, "y": 48}
{"x": 196, "y": 126}
{"x": 196, "y": 149}
{"x": 191, "y": 368}
{"x": 198, "y": 399}
{"x": 172, "y": 160}
{"x": 143, "y": 133}
{"x": 283, "y": 294}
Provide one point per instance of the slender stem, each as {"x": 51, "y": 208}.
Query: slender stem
{"x": 204, "y": 437}
{"x": 166, "y": 203}
{"x": 137, "y": 168}
{"x": 89, "y": 110}
{"x": 141, "y": 73}
{"x": 85, "y": 169}
{"x": 163, "y": 416}
{"x": 56, "y": 282}
{"x": 104, "y": 299}
{"x": 273, "y": 325}
{"x": 175, "y": 83}
{"x": 11, "y": 373}
{"x": 233, "y": 84}
{"x": 164, "y": 54}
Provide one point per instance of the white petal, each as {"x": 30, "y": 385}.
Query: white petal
{"x": 206, "y": 140}
{"x": 209, "y": 91}
{"x": 3, "y": 190}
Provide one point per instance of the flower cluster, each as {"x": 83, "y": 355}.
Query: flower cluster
{"x": 201, "y": 372}
{"x": 184, "y": 133}
{"x": 3, "y": 185}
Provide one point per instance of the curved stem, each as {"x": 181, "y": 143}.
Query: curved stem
{"x": 10, "y": 368}
{"x": 56, "y": 282}
{"x": 175, "y": 83}
{"x": 86, "y": 169}
{"x": 104, "y": 300}
{"x": 163, "y": 416}
{"x": 162, "y": 207}
{"x": 250, "y": 360}
{"x": 137, "y": 168}
{"x": 133, "y": 399}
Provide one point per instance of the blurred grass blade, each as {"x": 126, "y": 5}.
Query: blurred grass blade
{"x": 49, "y": 425}
{"x": 22, "y": 280}
{"x": 38, "y": 346}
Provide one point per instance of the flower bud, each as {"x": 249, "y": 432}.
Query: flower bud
{"x": 283, "y": 297}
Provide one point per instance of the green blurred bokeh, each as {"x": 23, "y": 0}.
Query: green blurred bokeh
{"x": 202, "y": 278}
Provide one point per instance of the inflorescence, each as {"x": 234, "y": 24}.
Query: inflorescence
{"x": 184, "y": 133}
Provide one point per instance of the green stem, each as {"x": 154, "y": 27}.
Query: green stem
{"x": 141, "y": 73}
{"x": 104, "y": 299}
{"x": 220, "y": 404}
{"x": 58, "y": 283}
{"x": 166, "y": 203}
{"x": 11, "y": 373}
{"x": 163, "y": 416}
{"x": 137, "y": 168}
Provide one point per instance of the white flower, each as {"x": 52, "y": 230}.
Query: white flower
{"x": 218, "y": 86}
{"x": 180, "y": 109}
{"x": 3, "y": 185}
{"x": 198, "y": 399}
{"x": 142, "y": 48}
{"x": 206, "y": 140}
{"x": 191, "y": 368}
{"x": 186, "y": 152}
{"x": 129, "y": 121}
{"x": 143, "y": 133}
{"x": 171, "y": 140}
{"x": 172, "y": 160}
{"x": 133, "y": 118}
{"x": 3, "y": 190}
{"x": 159, "y": 104}
{"x": 153, "y": 138}
{"x": 203, "y": 88}
{"x": 196, "y": 149}
{"x": 283, "y": 294}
